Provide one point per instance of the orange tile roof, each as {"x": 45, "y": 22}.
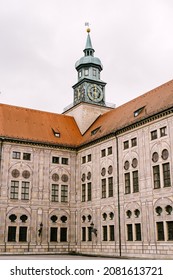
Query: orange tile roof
{"x": 37, "y": 126}
{"x": 152, "y": 102}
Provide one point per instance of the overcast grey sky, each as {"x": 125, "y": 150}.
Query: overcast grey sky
{"x": 40, "y": 41}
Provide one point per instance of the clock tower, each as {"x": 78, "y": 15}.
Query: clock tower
{"x": 89, "y": 88}
{"x": 89, "y": 91}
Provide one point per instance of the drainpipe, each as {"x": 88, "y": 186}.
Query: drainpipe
{"x": 118, "y": 196}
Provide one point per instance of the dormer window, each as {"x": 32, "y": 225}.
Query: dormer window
{"x": 93, "y": 132}
{"x": 138, "y": 111}
{"x": 56, "y": 133}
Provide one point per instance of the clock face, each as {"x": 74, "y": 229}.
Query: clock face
{"x": 79, "y": 93}
{"x": 95, "y": 93}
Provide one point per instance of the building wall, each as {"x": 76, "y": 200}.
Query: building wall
{"x": 101, "y": 204}
{"x": 40, "y": 173}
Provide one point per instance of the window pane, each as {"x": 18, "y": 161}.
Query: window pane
{"x": 109, "y": 150}
{"x": 16, "y": 155}
{"x": 110, "y": 186}
{"x": 156, "y": 176}
{"x": 103, "y": 153}
{"x": 83, "y": 192}
{"x": 135, "y": 181}
{"x": 134, "y": 142}
{"x": 64, "y": 193}
{"x": 166, "y": 175}
{"x": 25, "y": 191}
{"x": 105, "y": 237}
{"x": 11, "y": 234}
{"x": 65, "y": 161}
{"x": 160, "y": 231}
{"x": 111, "y": 233}
{"x": 153, "y": 134}
{"x": 55, "y": 190}
{"x": 23, "y": 234}
{"x": 89, "y": 191}
{"x": 163, "y": 131}
{"x": 83, "y": 233}
{"x": 53, "y": 234}
{"x": 103, "y": 188}
{"x": 138, "y": 232}
{"x": 26, "y": 156}
{"x": 129, "y": 233}
{"x": 55, "y": 160}
{"x": 170, "y": 230}
{"x": 14, "y": 189}
{"x": 89, "y": 233}
{"x": 126, "y": 145}
{"x": 127, "y": 183}
{"x": 63, "y": 234}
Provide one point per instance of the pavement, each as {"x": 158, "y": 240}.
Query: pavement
{"x": 52, "y": 257}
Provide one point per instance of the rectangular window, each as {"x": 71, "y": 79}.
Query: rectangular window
{"x": 105, "y": 233}
{"x": 153, "y": 134}
{"x": 94, "y": 72}
{"x": 89, "y": 233}
{"x": 89, "y": 157}
{"x": 103, "y": 153}
{"x": 64, "y": 193}
{"x": 111, "y": 233}
{"x": 64, "y": 161}
{"x": 80, "y": 74}
{"x": 16, "y": 155}
{"x": 83, "y": 192}
{"x": 135, "y": 181}
{"x": 126, "y": 145}
{"x": 127, "y": 182}
{"x": 134, "y": 142}
{"x": 53, "y": 234}
{"x": 138, "y": 232}
{"x": 83, "y": 233}
{"x": 11, "y": 234}
{"x": 83, "y": 159}
{"x": 166, "y": 175}
{"x": 110, "y": 186}
{"x": 156, "y": 176}
{"x": 163, "y": 131}
{"x": 26, "y": 156}
{"x": 160, "y": 231}
{"x": 55, "y": 160}
{"x": 55, "y": 193}
{"x": 170, "y": 230}
{"x": 89, "y": 191}
{"x": 14, "y": 192}
{"x": 86, "y": 72}
{"x": 25, "y": 191}
{"x": 110, "y": 151}
{"x": 103, "y": 188}
{"x": 129, "y": 232}
{"x": 22, "y": 234}
{"x": 63, "y": 234}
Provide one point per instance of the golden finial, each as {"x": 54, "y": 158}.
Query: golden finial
{"x": 88, "y": 29}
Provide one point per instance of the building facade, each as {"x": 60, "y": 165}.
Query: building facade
{"x": 93, "y": 180}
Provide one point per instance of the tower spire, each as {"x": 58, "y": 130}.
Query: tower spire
{"x": 88, "y": 51}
